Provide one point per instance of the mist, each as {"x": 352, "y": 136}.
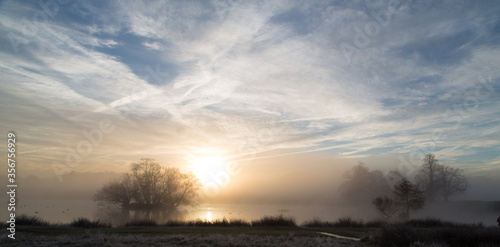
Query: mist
{"x": 265, "y": 186}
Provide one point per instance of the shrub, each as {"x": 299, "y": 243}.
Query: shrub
{"x": 25, "y": 220}
{"x": 199, "y": 222}
{"x": 316, "y": 222}
{"x": 436, "y": 222}
{"x": 341, "y": 222}
{"x": 393, "y": 235}
{"x": 218, "y": 222}
{"x": 279, "y": 220}
{"x": 86, "y": 223}
{"x": 239, "y": 222}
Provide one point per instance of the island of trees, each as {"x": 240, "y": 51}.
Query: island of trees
{"x": 150, "y": 186}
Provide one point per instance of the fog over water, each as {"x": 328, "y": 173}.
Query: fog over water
{"x": 63, "y": 202}
{"x": 64, "y": 211}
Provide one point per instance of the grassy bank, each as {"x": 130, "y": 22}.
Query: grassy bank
{"x": 438, "y": 234}
{"x": 417, "y": 232}
{"x": 176, "y": 239}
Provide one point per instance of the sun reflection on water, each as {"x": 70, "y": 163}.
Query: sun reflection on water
{"x": 209, "y": 216}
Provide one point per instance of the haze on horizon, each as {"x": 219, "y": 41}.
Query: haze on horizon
{"x": 292, "y": 93}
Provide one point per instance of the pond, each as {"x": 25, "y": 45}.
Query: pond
{"x": 64, "y": 211}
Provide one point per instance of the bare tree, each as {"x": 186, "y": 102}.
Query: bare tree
{"x": 439, "y": 181}
{"x": 452, "y": 182}
{"x": 408, "y": 197}
{"x": 182, "y": 187}
{"x": 148, "y": 175}
{"x": 428, "y": 177}
{"x": 119, "y": 192}
{"x": 150, "y": 186}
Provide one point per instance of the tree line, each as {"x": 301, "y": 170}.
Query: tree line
{"x": 148, "y": 185}
{"x": 432, "y": 182}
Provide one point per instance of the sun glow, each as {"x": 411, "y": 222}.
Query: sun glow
{"x": 206, "y": 168}
{"x": 209, "y": 216}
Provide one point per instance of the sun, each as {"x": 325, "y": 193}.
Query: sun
{"x": 207, "y": 167}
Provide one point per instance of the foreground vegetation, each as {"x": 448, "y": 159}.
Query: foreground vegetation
{"x": 276, "y": 230}
{"x": 405, "y": 235}
{"x": 215, "y": 239}
{"x": 221, "y": 232}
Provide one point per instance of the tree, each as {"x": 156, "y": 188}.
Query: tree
{"x": 362, "y": 184}
{"x": 385, "y": 206}
{"x": 119, "y": 192}
{"x": 178, "y": 188}
{"x": 148, "y": 174}
{"x": 150, "y": 186}
{"x": 452, "y": 182}
{"x": 408, "y": 197}
{"x": 428, "y": 176}
{"x": 439, "y": 181}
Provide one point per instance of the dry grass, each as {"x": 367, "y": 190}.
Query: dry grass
{"x": 434, "y": 233}
{"x": 86, "y": 223}
{"x": 25, "y": 220}
{"x": 139, "y": 240}
{"x": 278, "y": 220}
{"x": 343, "y": 222}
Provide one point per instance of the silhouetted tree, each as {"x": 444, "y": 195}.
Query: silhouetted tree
{"x": 362, "y": 184}
{"x": 428, "y": 177}
{"x": 119, "y": 192}
{"x": 178, "y": 188}
{"x": 148, "y": 175}
{"x": 150, "y": 186}
{"x": 408, "y": 197}
{"x": 439, "y": 181}
{"x": 452, "y": 182}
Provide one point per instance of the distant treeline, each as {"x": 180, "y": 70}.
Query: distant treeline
{"x": 399, "y": 192}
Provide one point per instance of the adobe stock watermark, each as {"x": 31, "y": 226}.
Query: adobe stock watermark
{"x": 137, "y": 94}
{"x": 121, "y": 105}
{"x": 456, "y": 114}
{"x": 30, "y": 28}
{"x": 75, "y": 154}
{"x": 254, "y": 143}
{"x": 220, "y": 179}
{"x": 372, "y": 29}
{"x": 134, "y": 94}
{"x": 157, "y": 74}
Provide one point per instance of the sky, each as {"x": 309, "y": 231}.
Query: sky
{"x": 92, "y": 86}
